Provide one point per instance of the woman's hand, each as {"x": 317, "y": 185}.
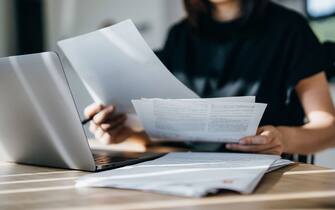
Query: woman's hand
{"x": 269, "y": 140}
{"x": 107, "y": 126}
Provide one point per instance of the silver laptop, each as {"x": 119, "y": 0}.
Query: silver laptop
{"x": 39, "y": 122}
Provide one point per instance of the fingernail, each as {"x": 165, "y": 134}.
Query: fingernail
{"x": 228, "y": 146}
{"x": 94, "y": 120}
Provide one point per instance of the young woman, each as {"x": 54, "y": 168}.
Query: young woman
{"x": 248, "y": 47}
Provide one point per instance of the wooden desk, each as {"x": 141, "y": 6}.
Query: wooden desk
{"x": 294, "y": 187}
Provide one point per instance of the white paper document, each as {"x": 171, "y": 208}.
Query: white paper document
{"x": 205, "y": 120}
{"x": 188, "y": 174}
{"x": 279, "y": 164}
{"x": 116, "y": 65}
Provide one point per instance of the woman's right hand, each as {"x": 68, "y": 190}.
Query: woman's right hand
{"x": 107, "y": 125}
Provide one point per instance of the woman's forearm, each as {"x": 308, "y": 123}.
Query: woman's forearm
{"x": 309, "y": 138}
{"x": 319, "y": 132}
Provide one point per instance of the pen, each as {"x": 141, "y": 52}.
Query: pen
{"x": 85, "y": 121}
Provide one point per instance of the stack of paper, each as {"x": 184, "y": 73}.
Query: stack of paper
{"x": 189, "y": 174}
{"x": 217, "y": 120}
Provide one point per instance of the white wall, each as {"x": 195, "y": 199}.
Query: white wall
{"x": 67, "y": 18}
{"x": 297, "y": 5}
{"x": 175, "y": 11}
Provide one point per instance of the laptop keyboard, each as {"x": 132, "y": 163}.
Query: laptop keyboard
{"x": 106, "y": 159}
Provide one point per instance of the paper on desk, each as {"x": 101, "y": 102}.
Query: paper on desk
{"x": 279, "y": 164}
{"x": 205, "y": 120}
{"x": 116, "y": 65}
{"x": 187, "y": 174}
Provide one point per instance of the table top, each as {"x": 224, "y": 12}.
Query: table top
{"x": 300, "y": 186}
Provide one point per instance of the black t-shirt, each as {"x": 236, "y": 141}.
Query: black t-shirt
{"x": 263, "y": 56}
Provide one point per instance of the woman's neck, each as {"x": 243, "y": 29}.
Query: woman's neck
{"x": 226, "y": 11}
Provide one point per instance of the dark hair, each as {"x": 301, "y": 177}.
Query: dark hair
{"x": 196, "y": 8}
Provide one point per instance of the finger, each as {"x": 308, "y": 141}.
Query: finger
{"x": 93, "y": 127}
{"x": 93, "y": 109}
{"x": 99, "y": 133}
{"x": 124, "y": 134}
{"x": 113, "y": 132}
{"x": 259, "y": 130}
{"x": 273, "y": 151}
{"x": 264, "y": 129}
{"x": 249, "y": 148}
{"x": 104, "y": 115}
{"x": 106, "y": 139}
{"x": 258, "y": 140}
{"x": 269, "y": 133}
{"x": 114, "y": 138}
{"x": 120, "y": 119}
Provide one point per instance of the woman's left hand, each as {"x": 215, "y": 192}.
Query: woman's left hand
{"x": 269, "y": 140}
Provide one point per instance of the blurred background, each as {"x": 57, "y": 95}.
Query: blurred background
{"x": 30, "y": 26}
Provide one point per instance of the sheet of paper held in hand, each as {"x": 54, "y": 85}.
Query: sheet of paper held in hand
{"x": 206, "y": 120}
{"x": 189, "y": 174}
{"x": 116, "y": 65}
